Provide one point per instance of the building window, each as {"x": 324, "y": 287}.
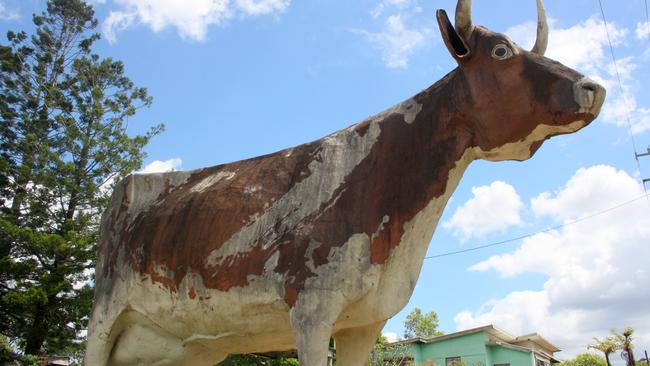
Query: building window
{"x": 501, "y": 364}
{"x": 453, "y": 361}
{"x": 539, "y": 362}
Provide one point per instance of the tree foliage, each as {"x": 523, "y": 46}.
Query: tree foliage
{"x": 385, "y": 354}
{"x": 63, "y": 140}
{"x": 606, "y": 345}
{"x": 585, "y": 359}
{"x": 421, "y": 325}
{"x": 255, "y": 360}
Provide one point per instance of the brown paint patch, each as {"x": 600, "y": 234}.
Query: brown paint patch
{"x": 290, "y": 296}
{"x": 362, "y": 128}
{"x": 183, "y": 227}
{"x": 192, "y": 293}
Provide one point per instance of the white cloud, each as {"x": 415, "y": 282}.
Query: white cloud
{"x": 191, "y": 22}
{"x": 260, "y": 7}
{"x": 493, "y": 208}
{"x": 378, "y": 10}
{"x": 585, "y": 47}
{"x": 391, "y": 337}
{"x": 116, "y": 21}
{"x": 576, "y": 198}
{"x": 643, "y": 30}
{"x": 597, "y": 269}
{"x": 158, "y": 166}
{"x": 397, "y": 41}
{"x": 7, "y": 14}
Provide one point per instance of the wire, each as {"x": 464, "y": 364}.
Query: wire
{"x": 647, "y": 18}
{"x": 623, "y": 95}
{"x": 590, "y": 216}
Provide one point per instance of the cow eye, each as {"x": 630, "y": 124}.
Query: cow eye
{"x": 501, "y": 52}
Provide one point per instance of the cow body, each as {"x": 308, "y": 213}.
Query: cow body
{"x": 236, "y": 246}
{"x": 325, "y": 239}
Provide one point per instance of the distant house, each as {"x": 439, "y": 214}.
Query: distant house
{"x": 484, "y": 346}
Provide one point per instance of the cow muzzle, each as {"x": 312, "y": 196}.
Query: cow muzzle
{"x": 589, "y": 95}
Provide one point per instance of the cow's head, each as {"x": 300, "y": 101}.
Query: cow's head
{"x": 515, "y": 99}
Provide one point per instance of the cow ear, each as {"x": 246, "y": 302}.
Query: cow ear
{"x": 454, "y": 41}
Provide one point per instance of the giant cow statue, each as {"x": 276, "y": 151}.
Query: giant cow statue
{"x": 325, "y": 239}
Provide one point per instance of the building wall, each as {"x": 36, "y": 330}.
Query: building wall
{"x": 501, "y": 355}
{"x": 470, "y": 348}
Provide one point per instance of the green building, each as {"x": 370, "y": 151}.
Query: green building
{"x": 484, "y": 346}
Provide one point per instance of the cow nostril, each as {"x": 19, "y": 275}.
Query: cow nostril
{"x": 590, "y": 87}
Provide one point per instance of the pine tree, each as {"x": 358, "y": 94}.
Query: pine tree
{"x": 63, "y": 118}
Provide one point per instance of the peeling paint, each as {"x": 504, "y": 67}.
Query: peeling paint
{"x": 211, "y": 180}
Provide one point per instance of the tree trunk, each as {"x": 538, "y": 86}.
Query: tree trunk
{"x": 630, "y": 358}
{"x": 36, "y": 336}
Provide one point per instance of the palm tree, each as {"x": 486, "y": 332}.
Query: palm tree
{"x": 624, "y": 342}
{"x": 606, "y": 346}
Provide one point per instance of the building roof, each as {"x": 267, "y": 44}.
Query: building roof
{"x": 536, "y": 338}
{"x": 498, "y": 337}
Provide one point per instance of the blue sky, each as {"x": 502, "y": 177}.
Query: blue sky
{"x": 233, "y": 79}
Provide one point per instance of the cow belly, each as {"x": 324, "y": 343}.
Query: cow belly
{"x": 244, "y": 311}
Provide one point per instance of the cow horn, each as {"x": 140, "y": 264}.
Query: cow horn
{"x": 542, "y": 30}
{"x": 464, "y": 25}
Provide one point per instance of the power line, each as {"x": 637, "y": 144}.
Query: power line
{"x": 647, "y": 19}
{"x": 623, "y": 95}
{"x": 590, "y": 216}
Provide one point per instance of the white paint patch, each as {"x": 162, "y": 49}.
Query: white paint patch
{"x": 162, "y": 271}
{"x": 521, "y": 149}
{"x": 340, "y": 154}
{"x": 143, "y": 190}
{"x": 309, "y": 258}
{"x": 347, "y": 274}
{"x": 204, "y": 337}
{"x": 384, "y": 221}
{"x": 252, "y": 189}
{"x": 271, "y": 263}
{"x": 211, "y": 180}
{"x": 411, "y": 110}
{"x": 408, "y": 108}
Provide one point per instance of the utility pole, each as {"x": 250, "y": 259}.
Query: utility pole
{"x": 646, "y": 180}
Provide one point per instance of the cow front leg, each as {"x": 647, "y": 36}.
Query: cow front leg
{"x": 353, "y": 345}
{"x": 312, "y": 320}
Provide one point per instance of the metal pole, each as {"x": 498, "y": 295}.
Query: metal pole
{"x": 647, "y": 180}
{"x": 642, "y": 154}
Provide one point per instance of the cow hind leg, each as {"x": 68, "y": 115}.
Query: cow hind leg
{"x": 144, "y": 344}
{"x": 353, "y": 345}
{"x": 148, "y": 344}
